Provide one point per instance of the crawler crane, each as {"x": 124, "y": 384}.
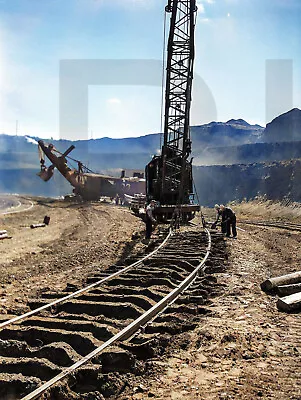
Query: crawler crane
{"x": 169, "y": 176}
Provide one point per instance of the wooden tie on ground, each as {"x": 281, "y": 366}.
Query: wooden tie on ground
{"x": 288, "y": 286}
{"x": 290, "y": 303}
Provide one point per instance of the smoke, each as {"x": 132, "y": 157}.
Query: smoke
{"x": 31, "y": 140}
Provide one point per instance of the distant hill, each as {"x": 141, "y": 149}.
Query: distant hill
{"x": 280, "y": 140}
{"x": 220, "y": 150}
{"x": 224, "y": 183}
{"x": 248, "y": 153}
{"x": 285, "y": 128}
{"x": 25, "y": 181}
{"x": 241, "y": 122}
{"x": 105, "y": 153}
{"x": 223, "y": 134}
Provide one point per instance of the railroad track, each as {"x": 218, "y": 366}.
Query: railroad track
{"x": 76, "y": 343}
{"x": 275, "y": 224}
{"x": 11, "y": 204}
{"x": 8, "y": 202}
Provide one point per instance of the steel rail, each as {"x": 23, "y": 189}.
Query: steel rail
{"x": 272, "y": 221}
{"x": 129, "y": 330}
{"x": 85, "y": 289}
{"x": 18, "y": 211}
{"x": 280, "y": 225}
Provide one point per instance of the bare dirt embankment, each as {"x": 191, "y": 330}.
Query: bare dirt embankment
{"x": 79, "y": 239}
{"x": 243, "y": 349}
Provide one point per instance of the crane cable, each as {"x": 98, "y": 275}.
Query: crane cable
{"x": 193, "y": 182}
{"x": 197, "y": 196}
{"x": 177, "y": 215}
{"x": 73, "y": 159}
{"x": 163, "y": 77}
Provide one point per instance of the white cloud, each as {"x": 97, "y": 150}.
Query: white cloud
{"x": 29, "y": 94}
{"x": 129, "y": 116}
{"x": 114, "y": 100}
{"x": 30, "y": 140}
{"x": 201, "y": 5}
{"x": 201, "y": 8}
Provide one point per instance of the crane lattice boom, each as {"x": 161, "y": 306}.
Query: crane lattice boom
{"x": 169, "y": 176}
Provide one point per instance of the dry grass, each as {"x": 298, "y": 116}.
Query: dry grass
{"x": 262, "y": 208}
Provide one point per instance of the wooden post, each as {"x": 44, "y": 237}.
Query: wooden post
{"x": 286, "y": 290}
{"x": 33, "y": 226}
{"x": 290, "y": 303}
{"x": 272, "y": 283}
{"x": 5, "y": 236}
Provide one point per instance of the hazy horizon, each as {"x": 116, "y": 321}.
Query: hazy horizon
{"x": 127, "y": 137}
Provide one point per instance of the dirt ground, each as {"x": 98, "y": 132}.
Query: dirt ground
{"x": 243, "y": 349}
{"x": 79, "y": 239}
{"x": 246, "y": 348}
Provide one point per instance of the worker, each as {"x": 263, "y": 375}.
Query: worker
{"x": 150, "y": 219}
{"x": 229, "y": 220}
{"x": 219, "y": 215}
{"x": 176, "y": 216}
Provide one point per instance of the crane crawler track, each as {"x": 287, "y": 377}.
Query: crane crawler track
{"x": 93, "y": 334}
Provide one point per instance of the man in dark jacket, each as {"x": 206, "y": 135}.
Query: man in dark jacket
{"x": 229, "y": 219}
{"x": 219, "y": 215}
{"x": 150, "y": 220}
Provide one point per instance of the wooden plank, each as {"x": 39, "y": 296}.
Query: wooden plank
{"x": 271, "y": 284}
{"x": 286, "y": 290}
{"x": 290, "y": 303}
{"x": 33, "y": 226}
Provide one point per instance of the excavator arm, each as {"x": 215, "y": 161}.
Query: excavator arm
{"x": 86, "y": 183}
{"x": 58, "y": 162}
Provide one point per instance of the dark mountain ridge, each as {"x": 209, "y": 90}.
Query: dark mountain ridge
{"x": 284, "y": 128}
{"x": 248, "y": 153}
{"x": 233, "y": 142}
{"x": 106, "y": 153}
{"x": 280, "y": 140}
{"x": 224, "y": 183}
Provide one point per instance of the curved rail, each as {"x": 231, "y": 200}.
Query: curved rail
{"x": 274, "y": 224}
{"x": 85, "y": 289}
{"x": 15, "y": 211}
{"x": 130, "y": 329}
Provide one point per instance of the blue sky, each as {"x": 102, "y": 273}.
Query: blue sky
{"x": 234, "y": 40}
